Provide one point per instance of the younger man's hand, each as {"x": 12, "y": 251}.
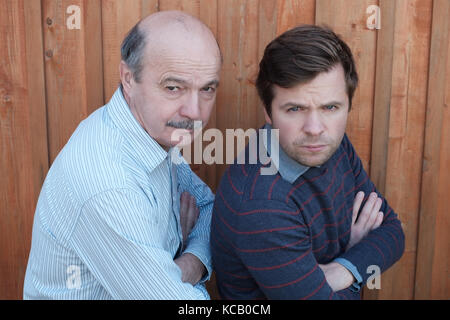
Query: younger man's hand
{"x": 369, "y": 219}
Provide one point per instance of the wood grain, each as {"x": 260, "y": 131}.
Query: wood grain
{"x": 51, "y": 78}
{"x": 432, "y": 275}
{"x": 23, "y": 137}
{"x": 73, "y": 68}
{"x": 406, "y": 131}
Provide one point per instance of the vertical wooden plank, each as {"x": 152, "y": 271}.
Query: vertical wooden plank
{"x": 406, "y": 133}
{"x": 382, "y": 99}
{"x": 433, "y": 245}
{"x": 93, "y": 54}
{"x": 118, "y": 17}
{"x": 269, "y": 13}
{"x": 73, "y": 67}
{"x": 23, "y": 137}
{"x": 237, "y": 102}
{"x": 294, "y": 12}
{"x": 348, "y": 19}
{"x": 36, "y": 94}
{"x": 382, "y": 94}
{"x": 191, "y": 7}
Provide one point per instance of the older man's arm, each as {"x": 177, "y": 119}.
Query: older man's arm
{"x": 197, "y": 242}
{"x": 118, "y": 238}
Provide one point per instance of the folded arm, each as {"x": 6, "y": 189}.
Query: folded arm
{"x": 274, "y": 245}
{"x": 119, "y": 239}
{"x": 197, "y": 240}
{"x": 382, "y": 246}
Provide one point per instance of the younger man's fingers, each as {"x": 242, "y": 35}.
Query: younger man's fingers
{"x": 378, "y": 221}
{"x": 367, "y": 210}
{"x": 357, "y": 205}
{"x": 373, "y": 215}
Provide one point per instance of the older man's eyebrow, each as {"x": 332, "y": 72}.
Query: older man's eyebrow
{"x": 183, "y": 81}
{"x": 173, "y": 79}
{"x": 212, "y": 83}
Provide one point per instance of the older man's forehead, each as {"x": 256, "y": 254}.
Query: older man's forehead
{"x": 189, "y": 76}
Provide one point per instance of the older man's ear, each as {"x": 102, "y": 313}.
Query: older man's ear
{"x": 126, "y": 76}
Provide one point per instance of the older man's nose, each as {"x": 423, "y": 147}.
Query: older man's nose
{"x": 191, "y": 107}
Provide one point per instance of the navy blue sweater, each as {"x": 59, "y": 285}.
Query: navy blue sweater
{"x": 268, "y": 235}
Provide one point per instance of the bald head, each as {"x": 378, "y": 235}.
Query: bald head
{"x": 172, "y": 20}
{"x": 170, "y": 72}
{"x": 164, "y": 32}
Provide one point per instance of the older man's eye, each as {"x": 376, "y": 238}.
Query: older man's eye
{"x": 209, "y": 89}
{"x": 293, "y": 109}
{"x": 173, "y": 88}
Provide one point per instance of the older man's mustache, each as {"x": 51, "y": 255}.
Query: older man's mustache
{"x": 185, "y": 124}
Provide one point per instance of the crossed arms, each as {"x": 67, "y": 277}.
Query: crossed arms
{"x": 286, "y": 252}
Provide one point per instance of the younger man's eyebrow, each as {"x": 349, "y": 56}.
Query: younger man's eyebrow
{"x": 334, "y": 102}
{"x": 294, "y": 104}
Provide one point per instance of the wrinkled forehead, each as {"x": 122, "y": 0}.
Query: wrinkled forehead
{"x": 192, "y": 73}
{"x": 184, "y": 56}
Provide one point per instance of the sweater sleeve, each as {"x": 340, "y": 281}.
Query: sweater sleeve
{"x": 383, "y": 246}
{"x": 275, "y": 247}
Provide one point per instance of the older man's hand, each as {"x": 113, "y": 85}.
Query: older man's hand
{"x": 188, "y": 214}
{"x": 192, "y": 269}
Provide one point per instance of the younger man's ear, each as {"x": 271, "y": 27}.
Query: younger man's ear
{"x": 267, "y": 117}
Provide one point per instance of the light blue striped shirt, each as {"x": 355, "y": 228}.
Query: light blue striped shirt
{"x": 107, "y": 224}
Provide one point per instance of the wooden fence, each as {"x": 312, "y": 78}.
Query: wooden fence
{"x": 55, "y": 72}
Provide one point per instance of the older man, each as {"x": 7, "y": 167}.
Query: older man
{"x": 109, "y": 223}
{"x": 305, "y": 232}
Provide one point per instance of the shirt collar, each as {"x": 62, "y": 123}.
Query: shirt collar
{"x": 145, "y": 149}
{"x": 290, "y": 170}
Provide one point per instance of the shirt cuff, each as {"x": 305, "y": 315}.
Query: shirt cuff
{"x": 204, "y": 255}
{"x": 356, "y": 286}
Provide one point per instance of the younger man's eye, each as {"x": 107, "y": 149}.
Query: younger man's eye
{"x": 331, "y": 107}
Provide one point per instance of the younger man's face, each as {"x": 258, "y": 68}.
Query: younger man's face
{"x": 311, "y": 117}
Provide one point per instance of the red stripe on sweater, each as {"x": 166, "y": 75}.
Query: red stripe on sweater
{"x": 218, "y": 269}
{"x": 269, "y": 196}
{"x": 243, "y": 170}
{"x": 251, "y": 250}
{"x": 315, "y": 291}
{"x": 280, "y": 265}
{"x": 289, "y": 283}
{"x": 375, "y": 246}
{"x": 232, "y": 185}
{"x": 256, "y": 210}
{"x": 257, "y": 231}
{"x": 315, "y": 178}
{"x": 254, "y": 183}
